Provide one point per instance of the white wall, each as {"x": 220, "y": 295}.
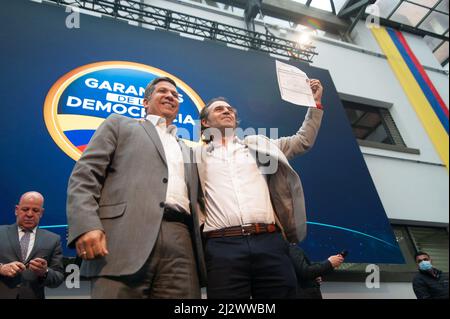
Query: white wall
{"x": 360, "y": 74}
{"x": 411, "y": 191}
{"x": 201, "y": 11}
{"x": 368, "y": 76}
{"x": 358, "y": 290}
{"x": 440, "y": 81}
{"x": 422, "y": 51}
{"x": 362, "y": 37}
{"x": 410, "y": 187}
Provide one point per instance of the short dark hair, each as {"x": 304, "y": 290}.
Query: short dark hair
{"x": 151, "y": 86}
{"x": 420, "y": 253}
{"x": 204, "y": 113}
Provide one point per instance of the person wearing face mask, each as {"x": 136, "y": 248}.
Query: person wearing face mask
{"x": 429, "y": 283}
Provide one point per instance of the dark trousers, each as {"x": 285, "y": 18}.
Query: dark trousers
{"x": 256, "y": 266}
{"x": 169, "y": 273}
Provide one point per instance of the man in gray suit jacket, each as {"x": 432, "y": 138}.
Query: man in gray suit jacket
{"x": 30, "y": 258}
{"x": 131, "y": 205}
{"x": 253, "y": 203}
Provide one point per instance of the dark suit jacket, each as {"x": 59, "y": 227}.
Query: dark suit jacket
{"x": 431, "y": 284}
{"x": 119, "y": 186}
{"x": 47, "y": 245}
{"x": 307, "y": 272}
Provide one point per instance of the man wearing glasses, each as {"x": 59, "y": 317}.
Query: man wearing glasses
{"x": 253, "y": 201}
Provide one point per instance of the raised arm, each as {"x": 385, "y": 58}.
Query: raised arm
{"x": 304, "y": 139}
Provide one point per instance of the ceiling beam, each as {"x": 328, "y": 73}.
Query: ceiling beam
{"x": 298, "y": 13}
{"x": 354, "y": 7}
{"x": 326, "y": 21}
{"x": 409, "y": 29}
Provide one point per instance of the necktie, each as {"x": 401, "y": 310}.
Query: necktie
{"x": 24, "y": 242}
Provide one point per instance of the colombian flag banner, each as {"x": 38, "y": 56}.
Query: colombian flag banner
{"x": 422, "y": 94}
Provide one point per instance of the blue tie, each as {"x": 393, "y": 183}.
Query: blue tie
{"x": 24, "y": 243}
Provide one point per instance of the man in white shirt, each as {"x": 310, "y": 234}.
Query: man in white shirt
{"x": 130, "y": 205}
{"x": 30, "y": 258}
{"x": 253, "y": 203}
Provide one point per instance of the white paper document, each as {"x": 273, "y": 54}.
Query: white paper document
{"x": 294, "y": 85}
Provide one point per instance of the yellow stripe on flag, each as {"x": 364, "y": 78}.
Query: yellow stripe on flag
{"x": 417, "y": 98}
{"x": 69, "y": 122}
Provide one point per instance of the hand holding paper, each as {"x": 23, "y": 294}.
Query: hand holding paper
{"x": 317, "y": 90}
{"x": 296, "y": 87}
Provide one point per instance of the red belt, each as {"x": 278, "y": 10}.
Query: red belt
{"x": 243, "y": 230}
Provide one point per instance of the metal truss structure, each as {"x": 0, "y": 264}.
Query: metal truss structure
{"x": 174, "y": 21}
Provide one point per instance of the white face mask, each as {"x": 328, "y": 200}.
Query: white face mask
{"x": 425, "y": 265}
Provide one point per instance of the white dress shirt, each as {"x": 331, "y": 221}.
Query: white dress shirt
{"x": 236, "y": 193}
{"x": 32, "y": 238}
{"x": 177, "y": 194}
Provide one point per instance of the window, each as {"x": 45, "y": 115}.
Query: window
{"x": 434, "y": 241}
{"x": 373, "y": 125}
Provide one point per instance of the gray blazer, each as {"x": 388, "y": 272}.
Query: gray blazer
{"x": 119, "y": 186}
{"x": 285, "y": 186}
{"x": 27, "y": 285}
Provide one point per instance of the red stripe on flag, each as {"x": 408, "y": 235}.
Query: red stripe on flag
{"x": 422, "y": 72}
{"x": 82, "y": 147}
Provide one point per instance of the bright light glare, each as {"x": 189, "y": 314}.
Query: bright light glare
{"x": 305, "y": 38}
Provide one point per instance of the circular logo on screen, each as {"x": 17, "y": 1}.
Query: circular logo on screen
{"x": 82, "y": 99}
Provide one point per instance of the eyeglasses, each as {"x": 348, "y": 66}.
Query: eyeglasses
{"x": 222, "y": 107}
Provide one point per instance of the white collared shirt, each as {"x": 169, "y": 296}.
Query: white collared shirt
{"x": 236, "y": 193}
{"x": 177, "y": 194}
{"x": 32, "y": 238}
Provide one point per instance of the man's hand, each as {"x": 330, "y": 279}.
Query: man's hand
{"x": 317, "y": 90}
{"x": 12, "y": 269}
{"x": 92, "y": 245}
{"x": 336, "y": 260}
{"x": 38, "y": 266}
